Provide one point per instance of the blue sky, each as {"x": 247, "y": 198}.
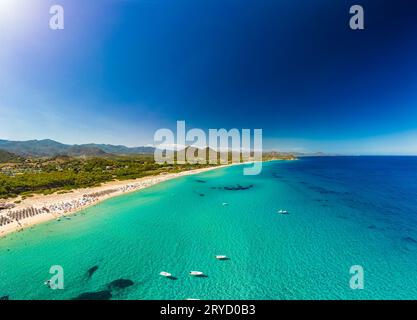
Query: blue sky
{"x": 123, "y": 68}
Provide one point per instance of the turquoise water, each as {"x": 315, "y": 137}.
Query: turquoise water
{"x": 342, "y": 212}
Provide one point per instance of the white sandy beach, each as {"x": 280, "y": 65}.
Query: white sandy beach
{"x": 41, "y": 208}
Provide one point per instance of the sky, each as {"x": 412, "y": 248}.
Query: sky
{"x": 121, "y": 69}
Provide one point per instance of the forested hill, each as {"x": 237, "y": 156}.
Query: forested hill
{"x": 9, "y": 157}
{"x": 50, "y": 148}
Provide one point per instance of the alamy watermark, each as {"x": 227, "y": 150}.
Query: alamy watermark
{"x": 357, "y": 21}
{"x": 57, "y": 280}
{"x": 220, "y": 147}
{"x": 357, "y": 277}
{"x": 57, "y": 22}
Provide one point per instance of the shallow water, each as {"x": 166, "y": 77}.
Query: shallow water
{"x": 343, "y": 211}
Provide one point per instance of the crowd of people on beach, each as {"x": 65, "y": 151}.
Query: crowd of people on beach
{"x": 64, "y": 207}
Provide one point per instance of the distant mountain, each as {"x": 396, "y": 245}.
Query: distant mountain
{"x": 49, "y": 148}
{"x": 119, "y": 149}
{"x": 34, "y": 147}
{"x": 9, "y": 157}
{"x": 316, "y": 154}
{"x": 84, "y": 151}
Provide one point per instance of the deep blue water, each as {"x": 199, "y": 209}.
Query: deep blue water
{"x": 343, "y": 211}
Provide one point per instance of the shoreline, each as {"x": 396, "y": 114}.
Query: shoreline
{"x": 42, "y": 208}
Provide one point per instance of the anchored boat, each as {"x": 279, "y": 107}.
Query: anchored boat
{"x": 165, "y": 274}
{"x": 221, "y": 257}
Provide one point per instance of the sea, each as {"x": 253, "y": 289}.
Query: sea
{"x": 349, "y": 232}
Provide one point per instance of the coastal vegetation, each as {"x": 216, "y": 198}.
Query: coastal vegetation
{"x": 63, "y": 173}
{"x": 24, "y": 176}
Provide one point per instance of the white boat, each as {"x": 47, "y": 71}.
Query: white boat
{"x": 191, "y": 299}
{"x": 196, "y": 273}
{"x": 220, "y": 257}
{"x": 225, "y": 204}
{"x": 283, "y": 211}
{"x": 165, "y": 274}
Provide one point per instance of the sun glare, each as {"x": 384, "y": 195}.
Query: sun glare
{"x": 15, "y": 15}
{"x": 9, "y": 11}
{"x": 7, "y": 6}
